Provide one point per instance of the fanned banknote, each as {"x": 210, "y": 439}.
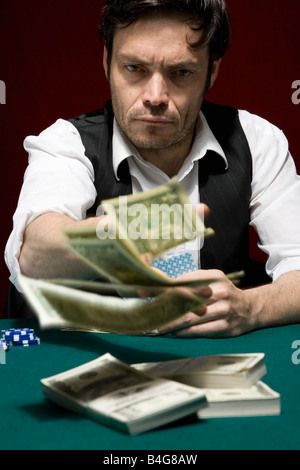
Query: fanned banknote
{"x": 59, "y": 307}
{"x": 114, "y": 251}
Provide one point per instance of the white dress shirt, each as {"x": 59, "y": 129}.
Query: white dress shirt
{"x": 59, "y": 178}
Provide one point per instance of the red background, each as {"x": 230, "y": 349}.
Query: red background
{"x": 51, "y": 63}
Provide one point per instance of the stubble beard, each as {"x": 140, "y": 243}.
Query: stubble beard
{"x": 154, "y": 141}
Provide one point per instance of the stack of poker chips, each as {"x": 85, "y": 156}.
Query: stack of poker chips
{"x": 18, "y": 337}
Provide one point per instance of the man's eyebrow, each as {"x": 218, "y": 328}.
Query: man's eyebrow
{"x": 133, "y": 59}
{"x": 185, "y": 65}
{"x": 130, "y": 58}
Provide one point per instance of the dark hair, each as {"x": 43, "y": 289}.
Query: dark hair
{"x": 208, "y": 16}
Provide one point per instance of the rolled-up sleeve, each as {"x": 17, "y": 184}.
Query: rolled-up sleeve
{"x": 59, "y": 178}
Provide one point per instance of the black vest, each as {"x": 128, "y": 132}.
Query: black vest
{"x": 226, "y": 191}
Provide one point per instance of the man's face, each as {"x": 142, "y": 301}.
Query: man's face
{"x": 158, "y": 82}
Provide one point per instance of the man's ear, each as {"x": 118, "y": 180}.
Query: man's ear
{"x": 214, "y": 72}
{"x": 105, "y": 66}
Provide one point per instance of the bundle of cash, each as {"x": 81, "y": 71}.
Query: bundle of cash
{"x": 231, "y": 383}
{"x": 111, "y": 392}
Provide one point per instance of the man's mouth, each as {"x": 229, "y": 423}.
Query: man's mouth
{"x": 154, "y": 120}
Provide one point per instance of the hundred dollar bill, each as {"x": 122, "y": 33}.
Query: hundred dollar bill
{"x": 58, "y": 306}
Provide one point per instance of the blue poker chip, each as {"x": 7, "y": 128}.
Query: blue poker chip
{"x": 17, "y": 331}
{"x": 25, "y": 342}
{"x": 4, "y": 346}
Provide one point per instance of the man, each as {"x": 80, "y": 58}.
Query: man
{"x": 161, "y": 57}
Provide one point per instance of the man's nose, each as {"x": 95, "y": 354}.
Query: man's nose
{"x": 156, "y": 91}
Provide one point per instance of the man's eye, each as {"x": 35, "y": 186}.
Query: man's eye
{"x": 183, "y": 73}
{"x": 133, "y": 68}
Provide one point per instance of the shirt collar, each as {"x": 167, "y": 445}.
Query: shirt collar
{"x": 122, "y": 148}
{"x": 203, "y": 142}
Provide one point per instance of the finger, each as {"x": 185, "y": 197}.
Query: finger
{"x": 202, "y": 292}
{"x": 221, "y": 290}
{"x": 186, "y": 321}
{"x": 202, "y": 210}
{"x": 205, "y": 314}
{"x": 145, "y": 259}
{"x": 216, "y": 328}
{"x": 201, "y": 274}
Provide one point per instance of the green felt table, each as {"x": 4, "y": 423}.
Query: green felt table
{"x": 30, "y": 422}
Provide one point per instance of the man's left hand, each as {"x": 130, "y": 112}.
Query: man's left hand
{"x": 228, "y": 313}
